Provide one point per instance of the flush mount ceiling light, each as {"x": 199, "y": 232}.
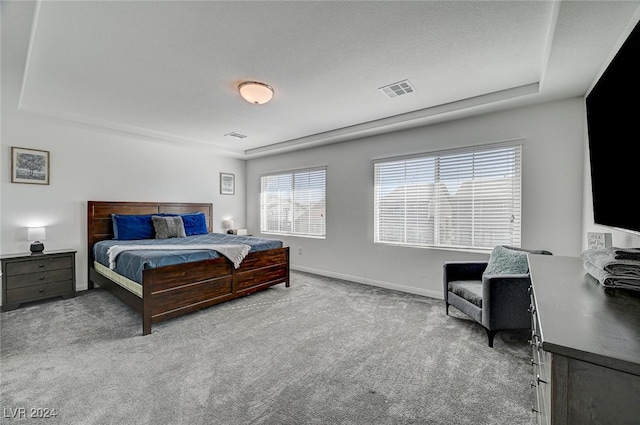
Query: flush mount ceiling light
{"x": 255, "y": 92}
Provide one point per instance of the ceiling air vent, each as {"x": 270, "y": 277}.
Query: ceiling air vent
{"x": 397, "y": 89}
{"x": 236, "y": 135}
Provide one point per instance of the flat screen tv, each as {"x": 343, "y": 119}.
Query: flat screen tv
{"x": 613, "y": 122}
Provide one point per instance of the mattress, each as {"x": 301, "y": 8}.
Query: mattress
{"x": 130, "y": 264}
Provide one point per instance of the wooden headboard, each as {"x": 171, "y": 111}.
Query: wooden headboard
{"x": 100, "y": 227}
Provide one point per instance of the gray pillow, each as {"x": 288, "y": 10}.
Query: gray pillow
{"x": 506, "y": 261}
{"x": 168, "y": 227}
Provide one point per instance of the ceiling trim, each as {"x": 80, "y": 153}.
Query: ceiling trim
{"x": 553, "y": 22}
{"x": 397, "y": 122}
{"x": 132, "y": 130}
{"x": 27, "y": 62}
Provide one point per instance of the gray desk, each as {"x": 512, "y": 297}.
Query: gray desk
{"x": 586, "y": 346}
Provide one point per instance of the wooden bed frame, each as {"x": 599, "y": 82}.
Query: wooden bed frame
{"x": 172, "y": 291}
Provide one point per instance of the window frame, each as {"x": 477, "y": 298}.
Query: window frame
{"x": 267, "y": 230}
{"x": 381, "y": 235}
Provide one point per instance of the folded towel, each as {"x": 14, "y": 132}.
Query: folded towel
{"x": 605, "y": 260}
{"x": 609, "y": 280}
{"x": 626, "y": 253}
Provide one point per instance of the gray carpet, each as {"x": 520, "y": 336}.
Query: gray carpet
{"x": 323, "y": 351}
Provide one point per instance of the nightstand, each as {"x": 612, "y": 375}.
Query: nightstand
{"x": 32, "y": 277}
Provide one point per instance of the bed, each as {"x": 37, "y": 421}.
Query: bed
{"x": 167, "y": 291}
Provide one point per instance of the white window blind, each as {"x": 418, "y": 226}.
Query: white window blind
{"x": 467, "y": 198}
{"x": 293, "y": 203}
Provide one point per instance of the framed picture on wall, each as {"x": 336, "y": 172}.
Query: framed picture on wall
{"x": 29, "y": 166}
{"x": 598, "y": 240}
{"x": 227, "y": 184}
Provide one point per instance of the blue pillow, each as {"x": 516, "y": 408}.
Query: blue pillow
{"x": 132, "y": 227}
{"x": 194, "y": 223}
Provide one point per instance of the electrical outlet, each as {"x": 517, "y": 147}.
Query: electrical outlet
{"x": 299, "y": 250}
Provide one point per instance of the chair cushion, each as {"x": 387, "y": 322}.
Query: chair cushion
{"x": 506, "y": 261}
{"x": 470, "y": 290}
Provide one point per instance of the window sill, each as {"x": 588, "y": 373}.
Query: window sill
{"x": 293, "y": 235}
{"x": 438, "y": 248}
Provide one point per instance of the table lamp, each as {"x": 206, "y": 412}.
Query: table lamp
{"x": 36, "y": 234}
{"x": 228, "y": 225}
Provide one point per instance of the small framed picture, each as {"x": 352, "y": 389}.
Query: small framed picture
{"x": 227, "y": 184}
{"x": 598, "y": 240}
{"x": 29, "y": 166}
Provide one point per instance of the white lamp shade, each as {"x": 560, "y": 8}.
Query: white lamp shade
{"x": 256, "y": 93}
{"x": 36, "y": 234}
{"x": 227, "y": 224}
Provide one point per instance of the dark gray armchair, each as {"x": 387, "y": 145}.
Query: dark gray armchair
{"x": 498, "y": 302}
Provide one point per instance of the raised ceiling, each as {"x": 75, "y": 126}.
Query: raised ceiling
{"x": 169, "y": 70}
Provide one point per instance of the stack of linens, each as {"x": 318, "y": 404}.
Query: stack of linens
{"x": 614, "y": 267}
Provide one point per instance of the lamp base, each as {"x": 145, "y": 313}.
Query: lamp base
{"x": 37, "y": 247}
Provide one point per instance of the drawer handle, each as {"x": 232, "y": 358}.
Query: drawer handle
{"x": 41, "y": 289}
{"x": 40, "y": 265}
{"x": 41, "y": 278}
{"x": 535, "y": 342}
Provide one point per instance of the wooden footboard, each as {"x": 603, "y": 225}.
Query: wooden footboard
{"x": 179, "y": 289}
{"x": 172, "y": 291}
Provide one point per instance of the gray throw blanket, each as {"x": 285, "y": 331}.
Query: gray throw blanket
{"x": 234, "y": 252}
{"x": 610, "y": 271}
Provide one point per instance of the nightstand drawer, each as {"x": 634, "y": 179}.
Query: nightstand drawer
{"x": 35, "y": 292}
{"x": 14, "y": 282}
{"x": 37, "y": 265}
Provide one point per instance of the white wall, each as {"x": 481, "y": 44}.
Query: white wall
{"x": 93, "y": 165}
{"x": 552, "y": 203}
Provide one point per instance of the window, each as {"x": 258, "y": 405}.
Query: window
{"x": 465, "y": 198}
{"x": 293, "y": 203}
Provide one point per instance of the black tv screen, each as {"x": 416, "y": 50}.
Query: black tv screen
{"x": 613, "y": 122}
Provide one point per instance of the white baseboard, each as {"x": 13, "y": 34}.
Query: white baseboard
{"x": 371, "y": 282}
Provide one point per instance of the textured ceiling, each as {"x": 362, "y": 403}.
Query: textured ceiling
{"x": 170, "y": 69}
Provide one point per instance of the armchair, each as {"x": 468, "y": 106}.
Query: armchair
{"x": 499, "y": 299}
